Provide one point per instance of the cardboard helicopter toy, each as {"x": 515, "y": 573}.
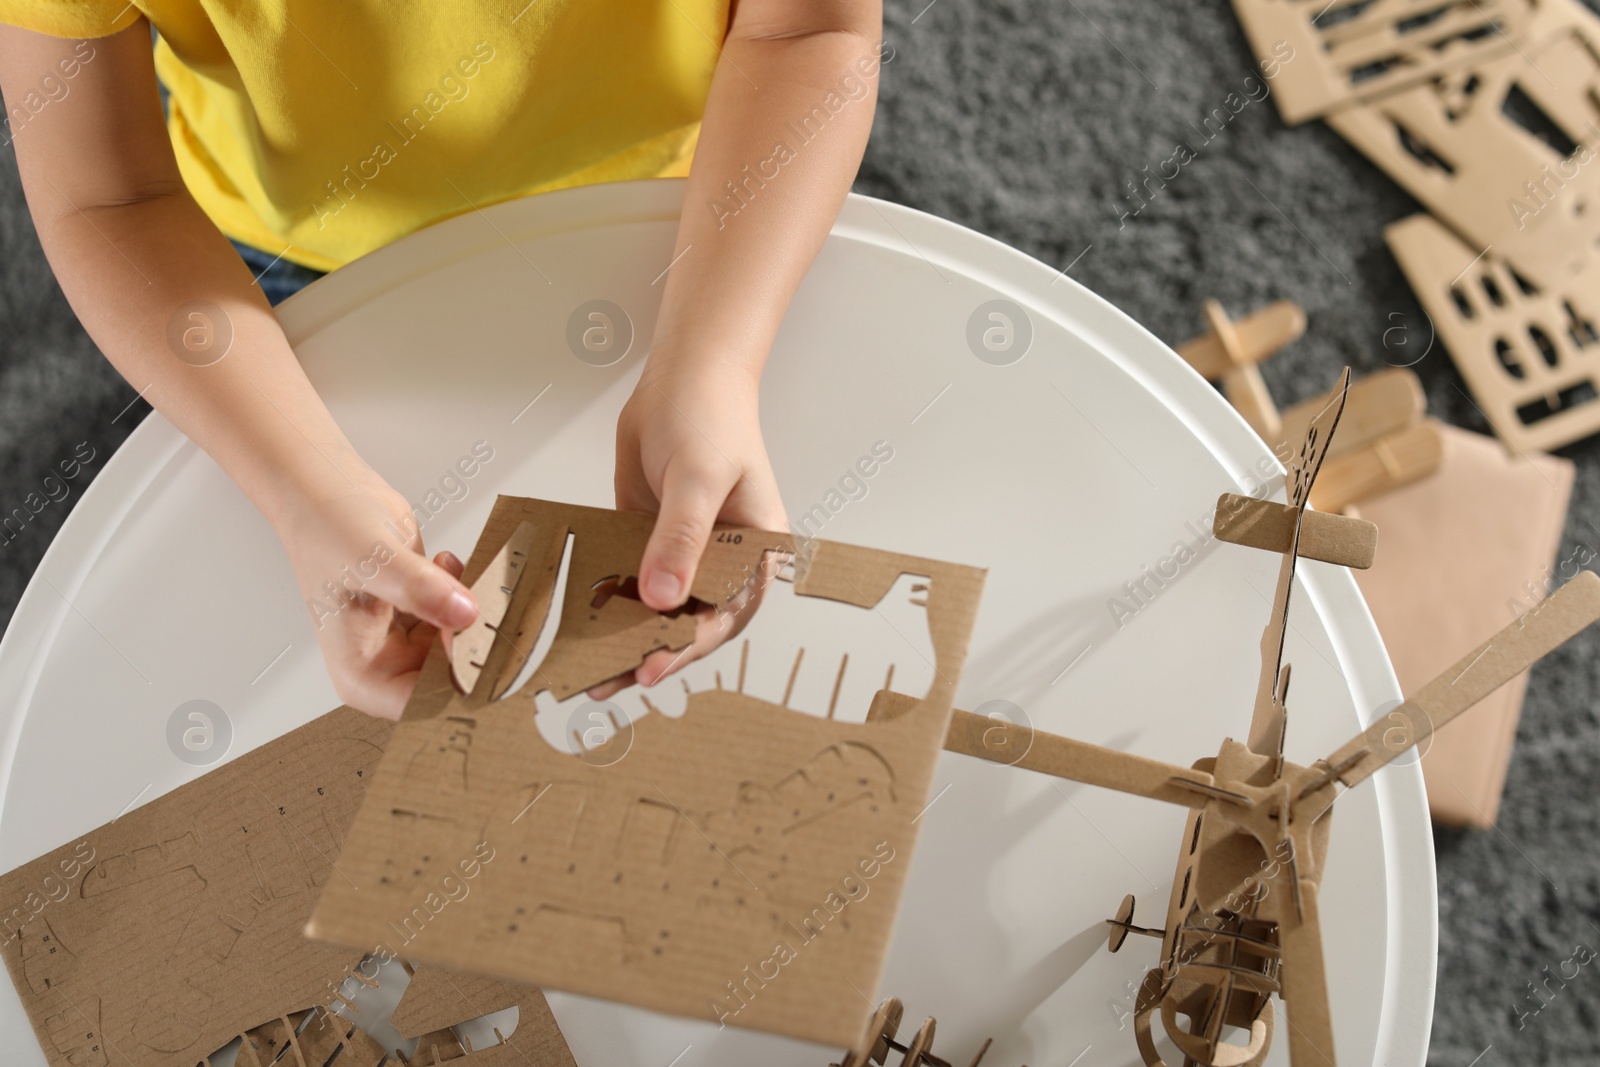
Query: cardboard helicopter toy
{"x": 1243, "y": 921}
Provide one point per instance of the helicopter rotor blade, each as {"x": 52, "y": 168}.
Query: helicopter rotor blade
{"x": 1304, "y": 983}
{"x": 1017, "y": 745}
{"x": 1558, "y": 618}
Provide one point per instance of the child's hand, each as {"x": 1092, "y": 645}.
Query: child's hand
{"x": 689, "y": 448}
{"x": 386, "y": 601}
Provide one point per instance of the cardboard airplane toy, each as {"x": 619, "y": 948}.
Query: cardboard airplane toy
{"x": 1243, "y": 920}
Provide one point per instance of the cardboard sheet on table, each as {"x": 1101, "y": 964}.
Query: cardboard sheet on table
{"x": 1457, "y": 551}
{"x": 160, "y": 937}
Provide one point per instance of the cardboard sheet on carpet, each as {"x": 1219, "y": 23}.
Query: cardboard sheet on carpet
{"x": 1462, "y": 552}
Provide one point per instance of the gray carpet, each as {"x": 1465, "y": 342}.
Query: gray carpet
{"x": 1023, "y": 119}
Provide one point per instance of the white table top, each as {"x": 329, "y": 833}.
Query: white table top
{"x": 1065, "y": 473}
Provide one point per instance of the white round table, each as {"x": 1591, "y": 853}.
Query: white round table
{"x": 1066, "y": 473}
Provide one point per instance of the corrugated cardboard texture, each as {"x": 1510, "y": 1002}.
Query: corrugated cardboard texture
{"x": 1459, "y": 550}
{"x": 741, "y": 863}
{"x": 1530, "y": 358}
{"x": 1459, "y": 146}
{"x": 158, "y": 938}
{"x": 1326, "y": 58}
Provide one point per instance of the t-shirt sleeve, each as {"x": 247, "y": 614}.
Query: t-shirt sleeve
{"x": 70, "y": 18}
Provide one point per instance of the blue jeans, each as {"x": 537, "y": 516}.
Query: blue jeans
{"x": 279, "y": 279}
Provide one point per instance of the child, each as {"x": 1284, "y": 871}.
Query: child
{"x": 313, "y": 131}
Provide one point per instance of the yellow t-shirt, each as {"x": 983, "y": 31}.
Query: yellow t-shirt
{"x": 324, "y": 129}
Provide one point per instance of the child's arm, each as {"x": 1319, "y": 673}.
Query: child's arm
{"x": 133, "y": 251}
{"x": 689, "y": 440}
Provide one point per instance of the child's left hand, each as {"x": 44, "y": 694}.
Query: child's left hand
{"x": 689, "y": 448}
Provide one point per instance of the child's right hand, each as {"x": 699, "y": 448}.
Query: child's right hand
{"x": 375, "y": 600}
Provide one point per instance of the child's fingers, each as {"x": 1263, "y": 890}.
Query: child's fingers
{"x": 427, "y": 590}
{"x": 690, "y": 500}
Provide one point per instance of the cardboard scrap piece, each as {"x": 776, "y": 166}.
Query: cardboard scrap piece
{"x": 160, "y": 937}
{"x": 1322, "y": 56}
{"x": 742, "y": 863}
{"x": 1462, "y": 550}
{"x": 1531, "y": 358}
{"x": 1499, "y": 152}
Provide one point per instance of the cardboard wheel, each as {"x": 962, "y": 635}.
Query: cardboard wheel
{"x": 920, "y": 1046}
{"x": 1119, "y": 925}
{"x": 884, "y": 1025}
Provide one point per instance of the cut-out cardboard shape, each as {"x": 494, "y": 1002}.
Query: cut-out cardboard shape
{"x": 1322, "y": 55}
{"x": 1501, "y": 152}
{"x": 1531, "y": 356}
{"x": 741, "y": 863}
{"x": 1387, "y": 441}
{"x": 1243, "y": 917}
{"x": 1231, "y": 352}
{"x": 160, "y": 937}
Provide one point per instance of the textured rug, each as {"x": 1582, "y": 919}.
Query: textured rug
{"x": 1026, "y": 120}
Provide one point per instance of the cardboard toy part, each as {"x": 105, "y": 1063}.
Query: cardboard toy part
{"x": 1488, "y": 112}
{"x": 1232, "y": 351}
{"x": 1497, "y": 151}
{"x": 165, "y": 935}
{"x": 1387, "y": 441}
{"x": 1530, "y": 355}
{"x": 915, "y": 1051}
{"x": 1324, "y": 56}
{"x": 1242, "y": 922}
{"x": 739, "y": 863}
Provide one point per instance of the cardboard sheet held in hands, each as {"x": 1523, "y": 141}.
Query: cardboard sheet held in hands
{"x": 716, "y": 870}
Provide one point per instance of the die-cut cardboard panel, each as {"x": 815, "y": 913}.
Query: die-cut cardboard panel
{"x": 160, "y": 937}
{"x": 1328, "y": 55}
{"x": 1499, "y": 151}
{"x": 445, "y": 999}
{"x": 739, "y": 863}
{"x": 436, "y": 998}
{"x": 1531, "y": 359}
